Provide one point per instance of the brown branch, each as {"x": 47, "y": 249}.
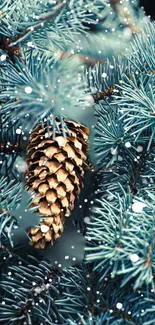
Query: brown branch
{"x": 93, "y": 286}
{"x": 43, "y": 18}
{"x": 3, "y": 248}
{"x": 88, "y": 60}
{"x": 119, "y": 9}
{"x": 137, "y": 169}
{"x": 101, "y": 95}
{"x": 9, "y": 147}
{"x": 59, "y": 7}
{"x": 118, "y": 314}
{"x": 11, "y": 51}
{"x": 148, "y": 260}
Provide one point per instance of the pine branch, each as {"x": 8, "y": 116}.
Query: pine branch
{"x": 125, "y": 134}
{"x": 121, "y": 315}
{"x": 33, "y": 292}
{"x": 38, "y": 80}
{"x": 43, "y": 19}
{"x": 37, "y": 301}
{"x": 12, "y": 146}
{"x": 10, "y": 196}
{"x": 103, "y": 82}
{"x": 95, "y": 300}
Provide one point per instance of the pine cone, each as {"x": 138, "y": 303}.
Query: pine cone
{"x": 55, "y": 172}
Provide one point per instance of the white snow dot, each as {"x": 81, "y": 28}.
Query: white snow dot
{"x": 3, "y": 57}
{"x": 47, "y": 285}
{"x": 21, "y": 165}
{"x": 44, "y": 228}
{"x": 29, "y": 44}
{"x": 119, "y": 305}
{"x": 28, "y": 90}
{"x": 138, "y": 206}
{"x": 104, "y": 75}
{"x": 86, "y": 219}
{"x": 139, "y": 148}
{"x": 134, "y": 257}
{"x": 127, "y": 144}
{"x": 127, "y": 32}
{"x": 66, "y": 257}
{"x": 18, "y": 131}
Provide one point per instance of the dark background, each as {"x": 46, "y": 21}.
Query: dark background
{"x": 149, "y": 6}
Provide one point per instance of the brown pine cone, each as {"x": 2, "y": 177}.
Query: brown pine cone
{"x": 55, "y": 172}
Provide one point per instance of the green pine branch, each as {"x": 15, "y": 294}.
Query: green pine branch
{"x": 124, "y": 146}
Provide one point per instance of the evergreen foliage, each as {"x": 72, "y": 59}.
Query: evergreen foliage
{"x": 125, "y": 154}
{"x": 9, "y": 199}
{"x": 32, "y": 80}
{"x": 47, "y": 74}
{"x": 29, "y": 293}
{"x": 68, "y": 25}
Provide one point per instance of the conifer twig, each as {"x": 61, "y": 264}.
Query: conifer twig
{"x": 42, "y": 19}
